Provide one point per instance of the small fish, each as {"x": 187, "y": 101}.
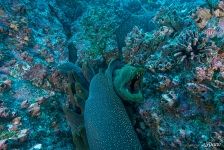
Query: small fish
{"x": 210, "y": 32}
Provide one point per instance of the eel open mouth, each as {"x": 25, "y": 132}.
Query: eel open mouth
{"x": 128, "y": 83}
{"x": 134, "y": 85}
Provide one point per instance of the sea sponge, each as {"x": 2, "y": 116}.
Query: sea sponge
{"x": 106, "y": 121}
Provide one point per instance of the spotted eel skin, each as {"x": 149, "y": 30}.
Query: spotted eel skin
{"x": 106, "y": 121}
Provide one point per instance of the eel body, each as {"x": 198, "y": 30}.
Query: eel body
{"x": 106, "y": 121}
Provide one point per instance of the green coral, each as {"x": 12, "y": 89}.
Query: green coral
{"x": 213, "y": 3}
{"x": 99, "y": 24}
{"x": 7, "y": 134}
{"x": 127, "y": 83}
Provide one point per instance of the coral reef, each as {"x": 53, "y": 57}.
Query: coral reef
{"x": 192, "y": 45}
{"x": 60, "y": 76}
{"x": 98, "y": 42}
{"x": 172, "y": 16}
{"x": 140, "y": 45}
{"x": 180, "y": 83}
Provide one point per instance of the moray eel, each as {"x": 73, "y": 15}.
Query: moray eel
{"x": 75, "y": 121}
{"x": 75, "y": 72}
{"x": 128, "y": 83}
{"x": 106, "y": 121}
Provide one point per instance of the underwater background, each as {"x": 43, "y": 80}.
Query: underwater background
{"x": 111, "y": 74}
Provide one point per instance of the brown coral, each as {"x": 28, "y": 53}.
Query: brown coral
{"x": 214, "y": 72}
{"x": 5, "y": 85}
{"x": 202, "y": 16}
{"x": 34, "y": 110}
{"x": 218, "y": 8}
{"x": 36, "y": 74}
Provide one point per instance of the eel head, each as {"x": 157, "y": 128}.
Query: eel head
{"x": 127, "y": 82}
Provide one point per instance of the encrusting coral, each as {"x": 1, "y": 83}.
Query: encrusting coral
{"x": 183, "y": 79}
{"x": 139, "y": 45}
{"x": 170, "y": 16}
{"x": 97, "y": 43}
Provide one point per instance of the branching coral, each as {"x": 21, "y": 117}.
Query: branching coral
{"x": 191, "y": 45}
